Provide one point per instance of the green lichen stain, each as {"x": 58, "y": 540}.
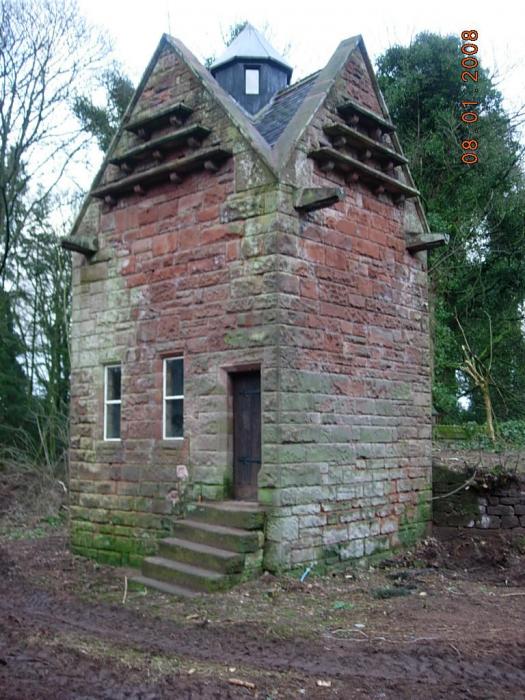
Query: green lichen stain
{"x": 245, "y": 338}
{"x": 227, "y": 485}
{"x": 113, "y": 545}
{"x": 414, "y": 522}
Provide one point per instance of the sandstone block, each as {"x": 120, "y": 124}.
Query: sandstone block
{"x": 352, "y": 550}
{"x": 490, "y": 522}
{"x": 282, "y": 529}
{"x": 500, "y": 510}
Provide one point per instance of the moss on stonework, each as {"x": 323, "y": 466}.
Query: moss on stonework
{"x": 247, "y": 338}
{"x": 100, "y": 555}
{"x": 227, "y": 485}
{"x": 116, "y": 544}
{"x": 414, "y": 522}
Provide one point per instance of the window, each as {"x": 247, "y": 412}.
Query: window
{"x": 173, "y": 397}
{"x": 112, "y": 401}
{"x": 251, "y": 81}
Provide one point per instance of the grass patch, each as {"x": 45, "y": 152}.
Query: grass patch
{"x": 44, "y": 527}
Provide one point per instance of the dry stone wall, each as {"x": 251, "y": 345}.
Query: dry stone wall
{"x": 478, "y": 490}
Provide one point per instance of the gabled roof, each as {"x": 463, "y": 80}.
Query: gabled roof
{"x": 275, "y": 131}
{"x": 250, "y": 43}
{"x": 271, "y": 121}
{"x": 313, "y": 100}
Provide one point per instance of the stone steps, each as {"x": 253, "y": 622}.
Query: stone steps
{"x": 193, "y": 577}
{"x": 230, "y": 538}
{"x": 212, "y": 558}
{"x": 237, "y": 514}
{"x": 219, "y": 545}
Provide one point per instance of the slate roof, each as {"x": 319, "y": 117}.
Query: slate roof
{"x": 250, "y": 44}
{"x": 271, "y": 121}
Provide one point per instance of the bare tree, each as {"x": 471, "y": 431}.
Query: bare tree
{"x": 47, "y": 52}
{"x": 478, "y": 368}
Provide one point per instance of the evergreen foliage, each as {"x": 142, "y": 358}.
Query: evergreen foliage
{"x": 102, "y": 122}
{"x": 478, "y": 280}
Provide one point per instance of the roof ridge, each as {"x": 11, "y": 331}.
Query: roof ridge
{"x": 311, "y": 104}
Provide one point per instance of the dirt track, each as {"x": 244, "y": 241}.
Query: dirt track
{"x": 64, "y": 632}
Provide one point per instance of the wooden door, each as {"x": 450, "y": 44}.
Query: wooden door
{"x": 246, "y": 434}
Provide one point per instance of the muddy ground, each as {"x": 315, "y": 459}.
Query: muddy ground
{"x": 444, "y": 621}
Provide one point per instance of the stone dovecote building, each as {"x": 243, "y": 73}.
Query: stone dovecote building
{"x": 250, "y": 339}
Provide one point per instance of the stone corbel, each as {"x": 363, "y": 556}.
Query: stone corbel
{"x": 311, "y": 198}
{"x": 416, "y": 242}
{"x": 86, "y": 245}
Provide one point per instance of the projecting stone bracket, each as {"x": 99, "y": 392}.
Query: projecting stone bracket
{"x": 417, "y": 242}
{"x": 311, "y": 198}
{"x": 86, "y": 245}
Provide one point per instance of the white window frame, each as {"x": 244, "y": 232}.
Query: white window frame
{"x": 108, "y": 402}
{"x": 166, "y": 398}
{"x": 254, "y": 69}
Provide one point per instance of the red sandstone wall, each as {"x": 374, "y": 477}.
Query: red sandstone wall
{"x": 169, "y": 278}
{"x": 355, "y": 370}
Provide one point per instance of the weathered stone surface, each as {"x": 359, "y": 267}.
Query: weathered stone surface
{"x": 491, "y": 522}
{"x": 221, "y": 268}
{"x": 500, "y": 510}
{"x": 509, "y": 521}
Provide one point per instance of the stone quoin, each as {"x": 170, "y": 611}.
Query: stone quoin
{"x": 250, "y": 321}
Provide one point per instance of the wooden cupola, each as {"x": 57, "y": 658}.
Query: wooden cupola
{"x": 251, "y": 70}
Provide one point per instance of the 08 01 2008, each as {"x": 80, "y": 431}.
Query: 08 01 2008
{"x": 469, "y": 115}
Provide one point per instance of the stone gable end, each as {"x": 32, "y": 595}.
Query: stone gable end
{"x": 220, "y": 266}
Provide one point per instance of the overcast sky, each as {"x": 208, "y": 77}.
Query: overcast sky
{"x": 310, "y": 31}
{"x": 314, "y": 29}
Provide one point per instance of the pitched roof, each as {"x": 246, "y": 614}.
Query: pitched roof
{"x": 276, "y": 130}
{"x": 271, "y": 121}
{"x": 250, "y": 43}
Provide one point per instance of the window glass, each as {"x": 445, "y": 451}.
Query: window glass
{"x": 174, "y": 377}
{"x": 173, "y": 398}
{"x": 112, "y": 402}
{"x": 113, "y": 421}
{"x": 251, "y": 78}
{"x": 174, "y": 418}
{"x": 113, "y": 383}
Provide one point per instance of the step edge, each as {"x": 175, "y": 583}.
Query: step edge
{"x": 184, "y": 568}
{"x": 241, "y": 508}
{"x": 226, "y": 554}
{"x": 165, "y": 587}
{"x": 222, "y": 529}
